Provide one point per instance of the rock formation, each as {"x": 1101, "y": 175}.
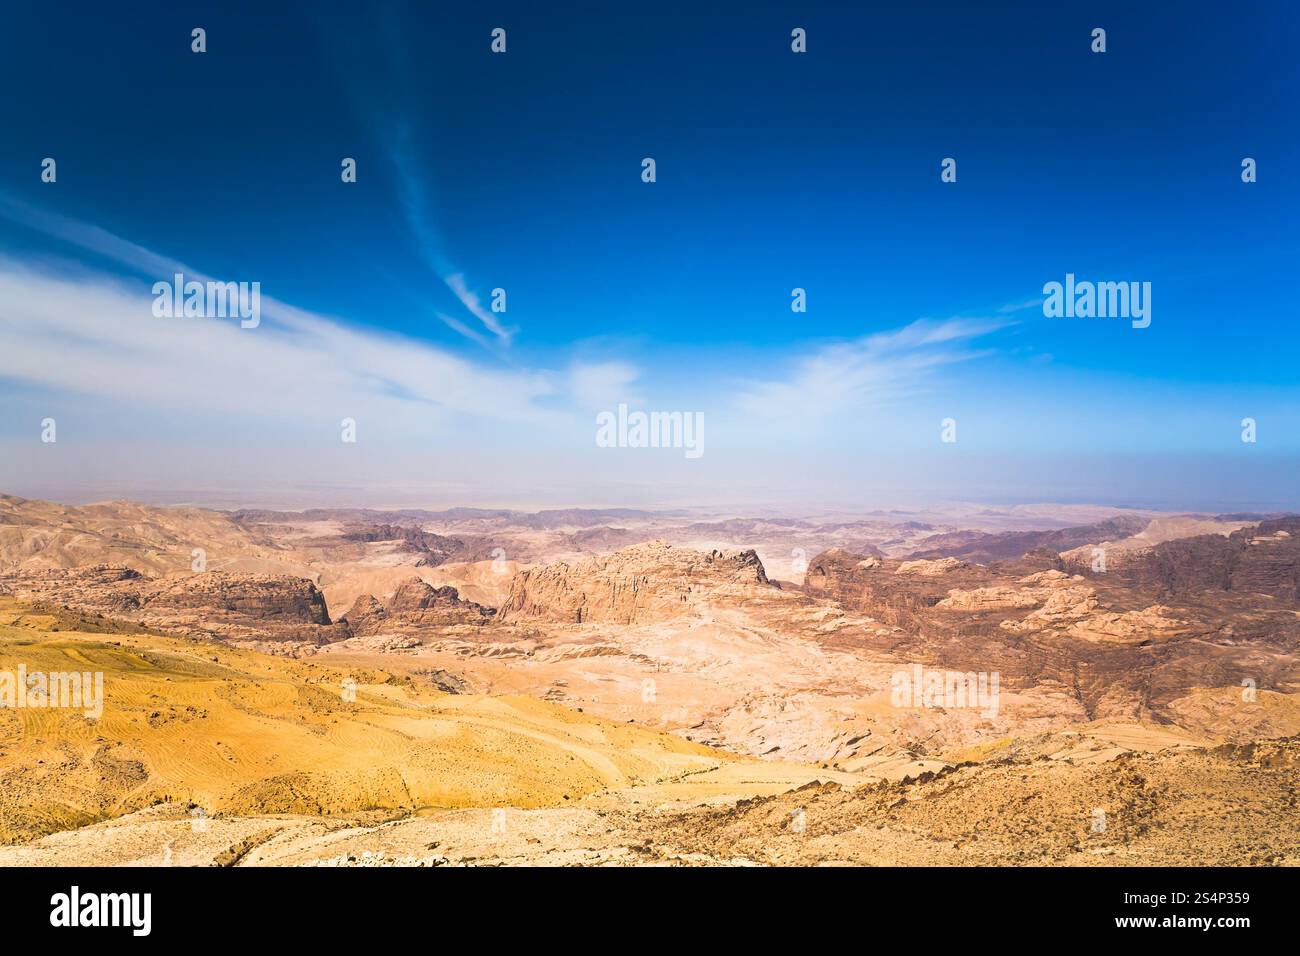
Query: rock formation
{"x": 983, "y": 547}
{"x": 231, "y": 606}
{"x": 1263, "y": 559}
{"x": 1125, "y": 643}
{"x": 653, "y": 581}
{"x": 415, "y": 605}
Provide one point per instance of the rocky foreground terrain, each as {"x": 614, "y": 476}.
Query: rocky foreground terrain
{"x": 623, "y": 687}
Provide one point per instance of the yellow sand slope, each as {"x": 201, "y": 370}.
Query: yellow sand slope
{"x": 238, "y": 732}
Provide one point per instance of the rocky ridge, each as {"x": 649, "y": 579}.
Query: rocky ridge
{"x": 214, "y": 604}
{"x": 653, "y": 581}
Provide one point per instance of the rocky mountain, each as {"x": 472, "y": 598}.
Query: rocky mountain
{"x": 433, "y": 549}
{"x": 653, "y": 581}
{"x": 414, "y": 606}
{"x": 1121, "y": 644}
{"x": 43, "y": 534}
{"x": 1258, "y": 559}
{"x": 983, "y": 547}
{"x": 216, "y": 604}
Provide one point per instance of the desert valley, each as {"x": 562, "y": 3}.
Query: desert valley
{"x": 1065, "y": 685}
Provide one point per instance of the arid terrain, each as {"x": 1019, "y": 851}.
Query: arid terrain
{"x": 1061, "y": 685}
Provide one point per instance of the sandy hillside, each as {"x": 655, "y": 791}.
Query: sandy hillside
{"x": 237, "y": 732}
{"x": 1064, "y": 800}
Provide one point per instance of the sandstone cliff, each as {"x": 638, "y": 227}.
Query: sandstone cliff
{"x": 413, "y": 606}
{"x": 1263, "y": 559}
{"x": 244, "y": 607}
{"x": 646, "y": 582}
{"x": 1205, "y": 612}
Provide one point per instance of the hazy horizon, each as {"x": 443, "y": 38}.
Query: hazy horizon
{"x": 371, "y": 499}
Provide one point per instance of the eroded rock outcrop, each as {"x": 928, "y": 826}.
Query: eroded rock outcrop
{"x": 231, "y": 606}
{"x": 931, "y": 568}
{"x": 985, "y": 548}
{"x": 1263, "y": 559}
{"x": 366, "y": 616}
{"x": 415, "y": 605}
{"x": 1124, "y": 643}
{"x": 647, "y": 582}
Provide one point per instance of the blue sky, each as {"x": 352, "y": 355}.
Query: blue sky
{"x": 774, "y": 171}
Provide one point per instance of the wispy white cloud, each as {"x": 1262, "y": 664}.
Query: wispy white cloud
{"x": 96, "y": 336}
{"x": 867, "y": 372}
{"x": 469, "y": 298}
{"x": 415, "y": 205}
{"x": 601, "y": 385}
{"x": 1021, "y": 306}
{"x": 456, "y": 325}
{"x": 94, "y": 333}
